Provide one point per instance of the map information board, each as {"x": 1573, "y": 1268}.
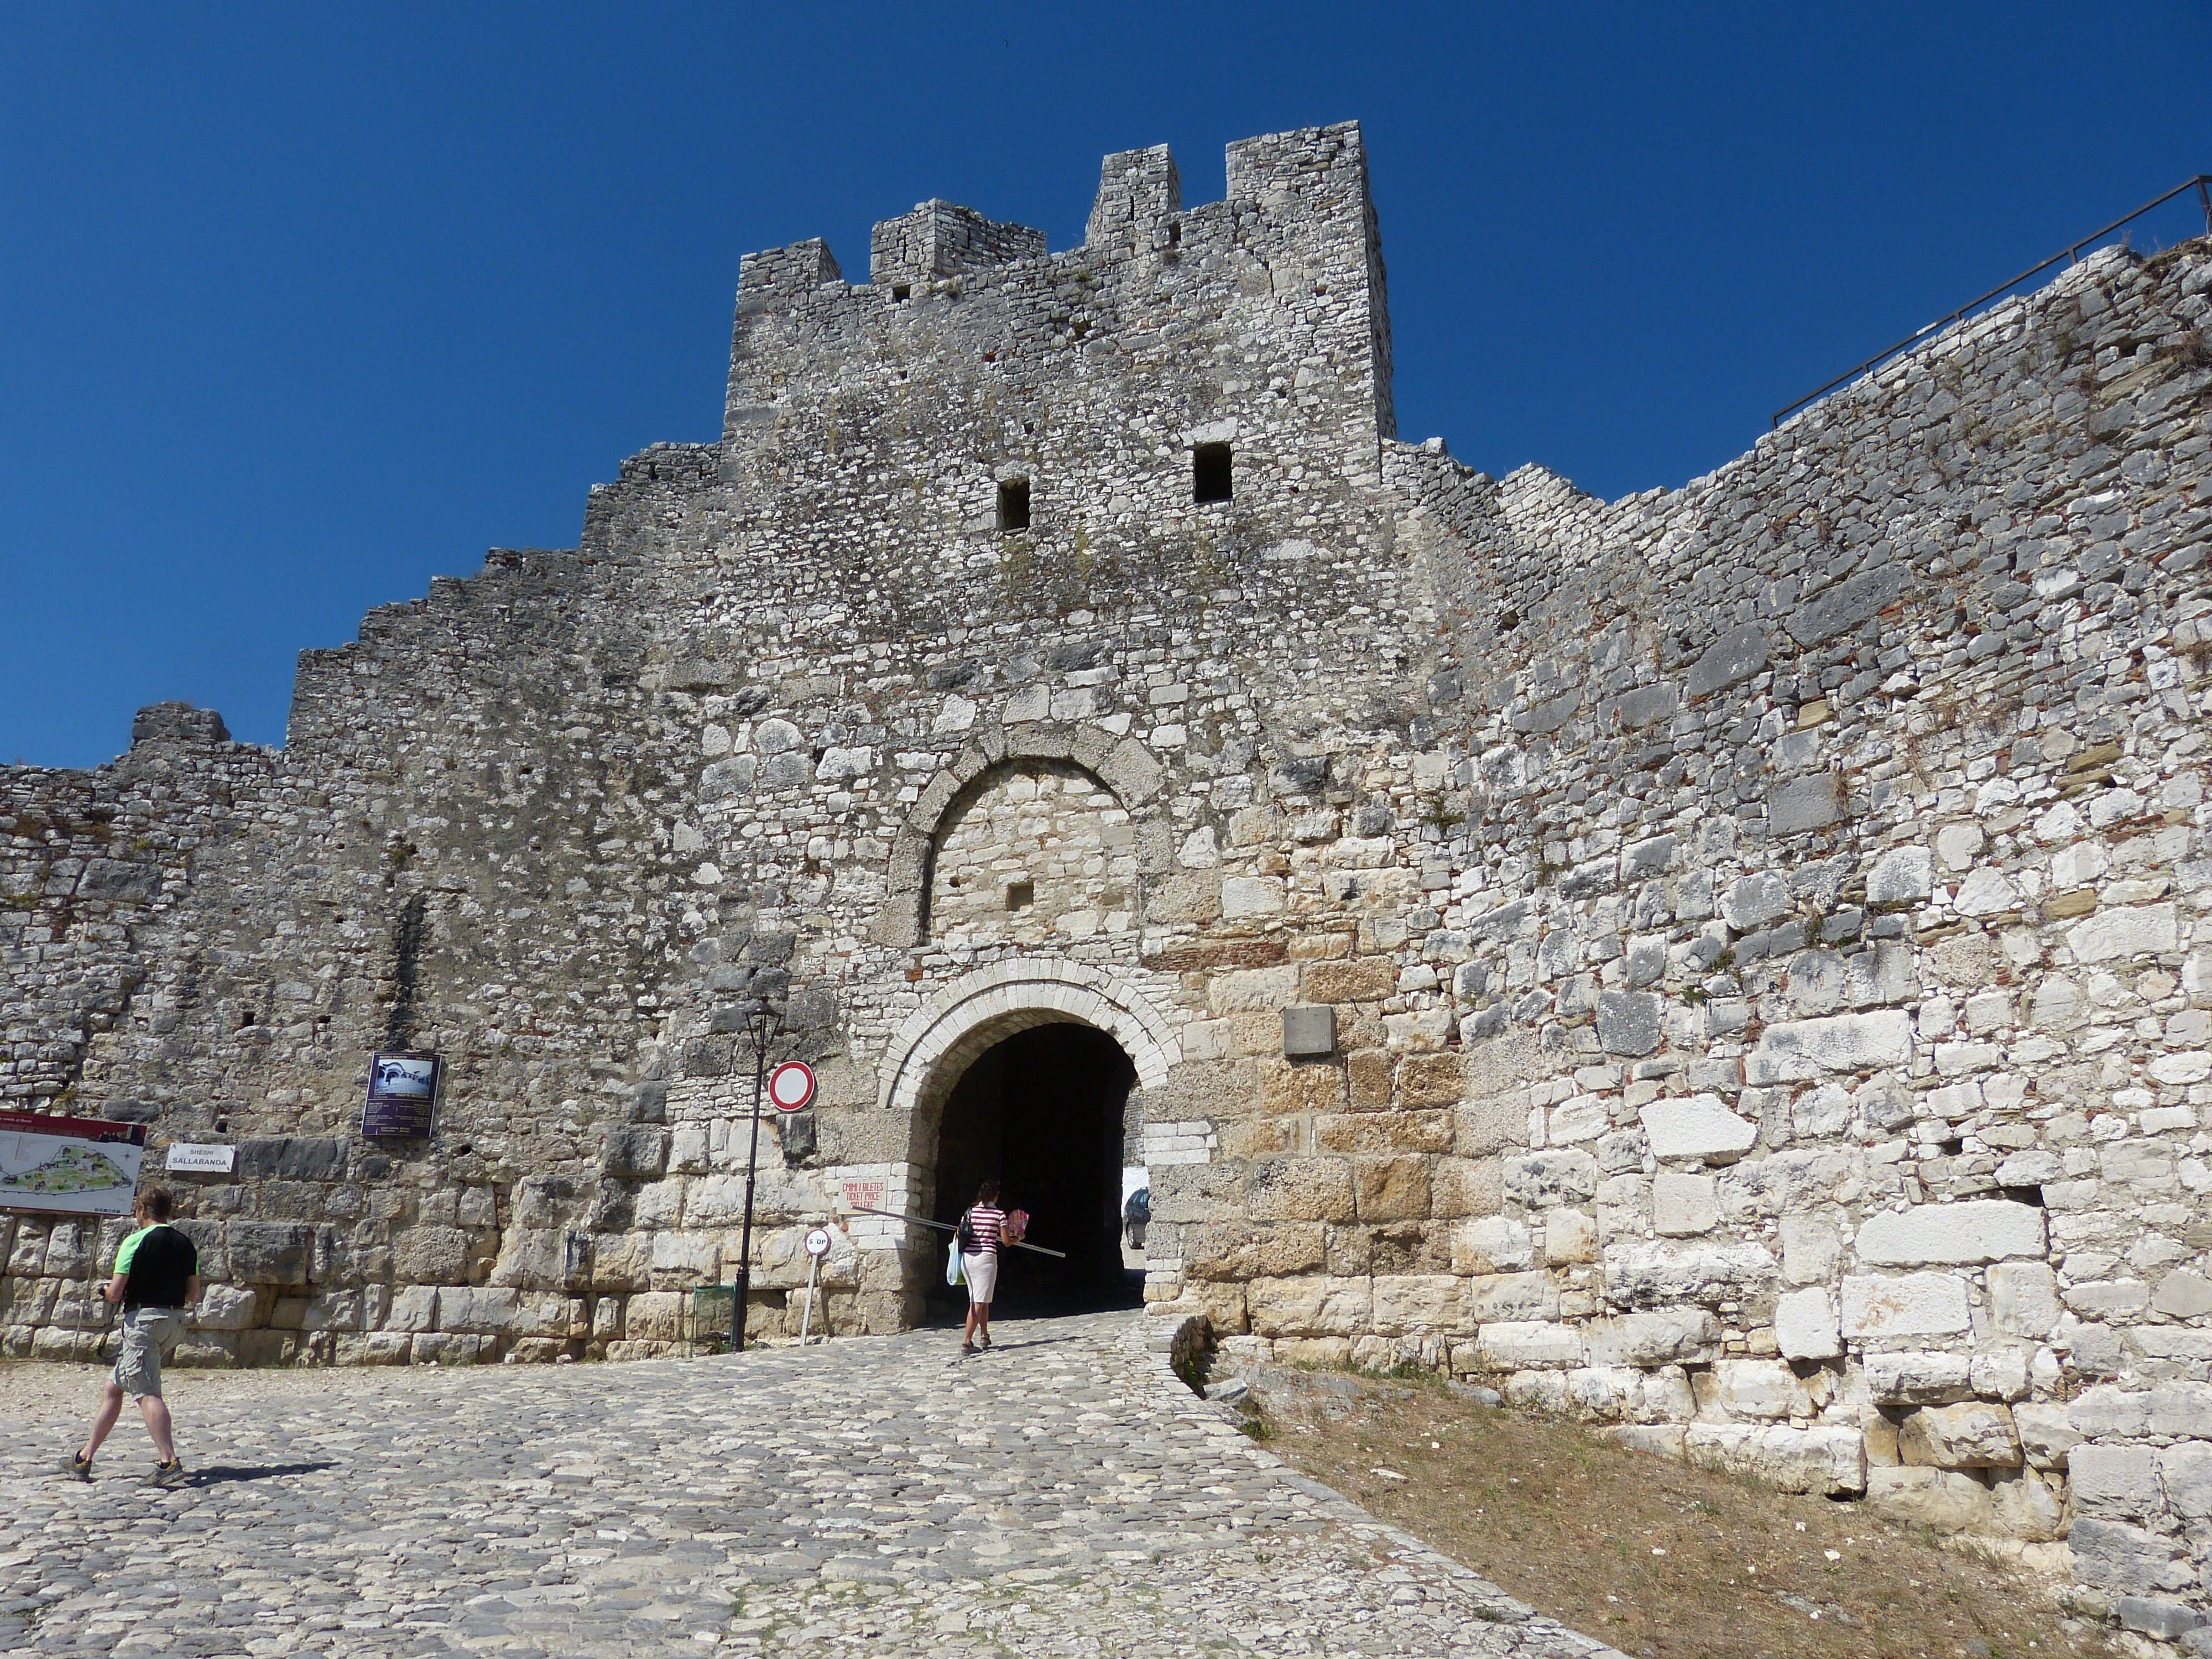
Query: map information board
{"x": 69, "y": 1165}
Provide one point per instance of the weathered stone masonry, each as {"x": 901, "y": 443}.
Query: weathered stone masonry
{"x": 1764, "y": 922}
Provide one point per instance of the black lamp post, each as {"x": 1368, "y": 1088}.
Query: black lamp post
{"x": 764, "y": 1024}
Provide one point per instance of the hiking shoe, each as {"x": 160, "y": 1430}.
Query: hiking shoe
{"x": 168, "y": 1476}
{"x": 79, "y": 1466}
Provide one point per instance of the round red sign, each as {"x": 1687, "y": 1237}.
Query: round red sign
{"x": 791, "y": 1085}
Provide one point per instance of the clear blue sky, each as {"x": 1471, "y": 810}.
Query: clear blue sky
{"x": 301, "y": 306}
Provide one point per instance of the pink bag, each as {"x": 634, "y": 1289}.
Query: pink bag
{"x": 1016, "y": 1224}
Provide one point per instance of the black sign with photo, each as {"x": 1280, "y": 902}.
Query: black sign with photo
{"x": 403, "y": 1094}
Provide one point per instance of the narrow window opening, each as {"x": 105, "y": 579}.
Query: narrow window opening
{"x": 1014, "y": 505}
{"x": 901, "y": 291}
{"x": 1174, "y": 232}
{"x": 1210, "y": 473}
{"x": 1021, "y": 894}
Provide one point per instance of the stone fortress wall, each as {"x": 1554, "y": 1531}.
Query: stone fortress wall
{"x": 1761, "y": 920}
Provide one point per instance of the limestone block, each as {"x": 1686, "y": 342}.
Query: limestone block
{"x": 1290, "y": 1087}
{"x": 2116, "y": 1482}
{"x": 1542, "y": 1180}
{"x": 1524, "y": 1344}
{"x": 2000, "y": 1373}
{"x": 1488, "y": 1127}
{"x": 1733, "y": 658}
{"x": 1310, "y": 1306}
{"x": 1683, "y": 1206}
{"x": 1805, "y": 1325}
{"x": 1910, "y": 1304}
{"x": 2024, "y": 1298}
{"x": 1810, "y": 1250}
{"x": 269, "y": 1253}
{"x": 621, "y": 1261}
{"x": 1666, "y": 1337}
{"x": 1506, "y": 1298}
{"x": 1628, "y": 1022}
{"x": 1365, "y": 979}
{"x": 1432, "y": 1080}
{"x": 1802, "y": 1050}
{"x": 2185, "y": 1471}
{"x": 441, "y": 1348}
{"x": 2127, "y": 1560}
{"x": 2184, "y": 1295}
{"x": 1390, "y": 1189}
{"x": 1695, "y": 1126}
{"x": 1250, "y": 898}
{"x": 2047, "y": 1434}
{"x": 1970, "y": 1435}
{"x": 1569, "y": 1237}
{"x": 656, "y": 1316}
{"x": 1491, "y": 1244}
{"x": 414, "y": 1308}
{"x": 224, "y": 1308}
{"x": 1917, "y": 1376}
{"x": 2124, "y": 931}
{"x": 334, "y": 1310}
{"x": 1759, "y": 1390}
{"x": 1755, "y": 900}
{"x": 1383, "y": 1132}
{"x": 2024, "y": 1503}
{"x": 1653, "y": 1275}
{"x": 1942, "y": 1500}
{"x": 1239, "y": 1250}
{"x": 1977, "y": 1230}
{"x": 1420, "y": 1305}
{"x": 1903, "y": 875}
{"x": 694, "y": 1255}
{"x": 482, "y": 1308}
{"x": 1465, "y": 1187}
{"x": 1797, "y": 804}
{"x": 1818, "y": 1460}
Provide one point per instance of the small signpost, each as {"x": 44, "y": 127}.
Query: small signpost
{"x": 791, "y": 1085}
{"x": 817, "y": 1246}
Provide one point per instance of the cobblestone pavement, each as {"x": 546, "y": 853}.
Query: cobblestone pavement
{"x": 1060, "y": 1495}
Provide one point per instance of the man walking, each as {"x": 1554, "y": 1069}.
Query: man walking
{"x": 157, "y": 1273}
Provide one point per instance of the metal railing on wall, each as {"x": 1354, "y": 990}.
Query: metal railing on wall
{"x": 2202, "y": 183}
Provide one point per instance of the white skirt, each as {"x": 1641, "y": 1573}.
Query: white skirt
{"x": 982, "y": 1267}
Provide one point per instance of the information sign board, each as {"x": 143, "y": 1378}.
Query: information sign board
{"x": 69, "y": 1165}
{"x": 198, "y": 1157}
{"x": 403, "y": 1094}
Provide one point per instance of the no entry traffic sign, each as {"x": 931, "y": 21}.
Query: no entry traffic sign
{"x": 791, "y": 1085}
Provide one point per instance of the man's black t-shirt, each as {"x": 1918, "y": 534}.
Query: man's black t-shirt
{"x": 156, "y": 1262}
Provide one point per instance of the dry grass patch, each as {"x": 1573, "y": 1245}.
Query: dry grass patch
{"x": 1662, "y": 1560}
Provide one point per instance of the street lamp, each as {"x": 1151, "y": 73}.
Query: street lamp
{"x": 763, "y": 1023}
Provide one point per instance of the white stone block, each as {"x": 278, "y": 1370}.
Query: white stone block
{"x": 1529, "y": 1344}
{"x": 1699, "y": 1125}
{"x": 1800, "y": 1050}
{"x": 1805, "y": 1325}
{"x": 1911, "y": 1305}
{"x": 1683, "y": 1206}
{"x": 2046, "y": 1435}
{"x": 1916, "y": 1377}
{"x": 2127, "y": 931}
{"x": 1251, "y": 895}
{"x": 1761, "y": 1390}
{"x": 1972, "y": 1434}
{"x": 1822, "y": 1460}
{"x": 1904, "y": 875}
{"x": 1978, "y": 1229}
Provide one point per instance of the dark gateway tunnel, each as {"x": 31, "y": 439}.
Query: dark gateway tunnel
{"x": 1041, "y": 1113}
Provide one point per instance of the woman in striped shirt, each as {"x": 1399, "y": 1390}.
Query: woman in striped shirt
{"x": 980, "y": 1231}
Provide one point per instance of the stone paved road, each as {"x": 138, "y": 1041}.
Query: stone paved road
{"x": 1062, "y": 1495}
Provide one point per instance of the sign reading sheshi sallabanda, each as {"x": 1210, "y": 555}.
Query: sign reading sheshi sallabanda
{"x": 69, "y": 1165}
{"x": 403, "y": 1094}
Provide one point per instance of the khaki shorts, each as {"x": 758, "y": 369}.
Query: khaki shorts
{"x": 146, "y": 1333}
{"x": 982, "y": 1267}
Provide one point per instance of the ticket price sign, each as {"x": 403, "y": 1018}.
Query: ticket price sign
{"x": 403, "y": 1094}
{"x": 791, "y": 1085}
